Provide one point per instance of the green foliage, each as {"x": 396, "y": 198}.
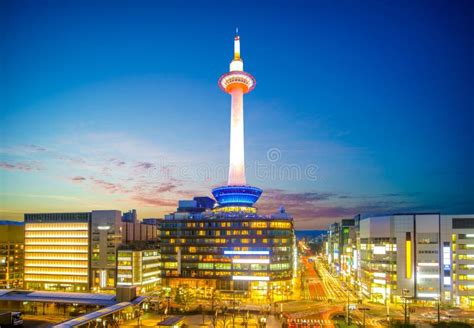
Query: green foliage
{"x": 184, "y": 296}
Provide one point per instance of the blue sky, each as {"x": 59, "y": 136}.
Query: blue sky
{"x": 115, "y": 105}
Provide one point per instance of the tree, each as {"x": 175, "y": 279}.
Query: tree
{"x": 184, "y": 296}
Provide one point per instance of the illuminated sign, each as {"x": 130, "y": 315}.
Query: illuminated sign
{"x": 247, "y": 252}
{"x": 355, "y": 260}
{"x": 103, "y": 227}
{"x": 259, "y": 261}
{"x": 446, "y": 264}
{"x": 380, "y": 250}
{"x": 250, "y": 278}
{"x": 408, "y": 256}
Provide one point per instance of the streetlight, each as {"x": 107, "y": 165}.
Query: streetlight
{"x": 438, "y": 299}
{"x": 348, "y": 300}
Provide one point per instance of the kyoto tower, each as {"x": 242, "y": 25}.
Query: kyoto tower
{"x": 237, "y": 195}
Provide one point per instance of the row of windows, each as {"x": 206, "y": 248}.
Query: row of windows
{"x": 227, "y": 274}
{"x": 57, "y": 226}
{"x": 173, "y": 225}
{"x": 40, "y": 217}
{"x": 66, "y": 263}
{"x": 56, "y": 234}
{"x": 56, "y": 256}
{"x": 57, "y": 241}
{"x": 56, "y": 278}
{"x": 217, "y": 233}
{"x": 229, "y": 266}
{"x": 219, "y": 251}
{"x": 56, "y": 249}
{"x": 56, "y": 271}
{"x": 225, "y": 241}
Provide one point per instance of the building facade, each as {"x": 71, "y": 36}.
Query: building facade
{"x": 423, "y": 256}
{"x": 77, "y": 251}
{"x": 57, "y": 251}
{"x": 139, "y": 265}
{"x": 11, "y": 254}
{"x": 245, "y": 253}
{"x": 106, "y": 237}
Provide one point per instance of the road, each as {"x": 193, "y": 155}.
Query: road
{"x": 325, "y": 297}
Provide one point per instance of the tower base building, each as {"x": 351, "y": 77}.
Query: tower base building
{"x": 239, "y": 254}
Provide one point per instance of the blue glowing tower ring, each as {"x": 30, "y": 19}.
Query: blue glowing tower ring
{"x": 236, "y": 195}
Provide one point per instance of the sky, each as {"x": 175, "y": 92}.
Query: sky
{"x": 360, "y": 107}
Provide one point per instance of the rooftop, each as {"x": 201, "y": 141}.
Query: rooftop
{"x": 171, "y": 321}
{"x": 57, "y": 297}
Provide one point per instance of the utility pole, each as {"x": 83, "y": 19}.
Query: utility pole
{"x": 439, "y": 301}
{"x": 348, "y": 300}
{"x": 363, "y": 309}
{"x": 407, "y": 318}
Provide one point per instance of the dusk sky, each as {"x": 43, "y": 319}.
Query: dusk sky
{"x": 360, "y": 106}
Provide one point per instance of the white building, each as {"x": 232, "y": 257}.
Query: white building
{"x": 423, "y": 256}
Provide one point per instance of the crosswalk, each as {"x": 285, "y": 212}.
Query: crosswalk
{"x": 319, "y": 298}
{"x": 319, "y": 322}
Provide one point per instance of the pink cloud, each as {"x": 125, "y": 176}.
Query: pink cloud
{"x": 23, "y": 166}
{"x": 78, "y": 179}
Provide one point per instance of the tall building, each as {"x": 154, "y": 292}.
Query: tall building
{"x": 77, "y": 251}
{"x": 230, "y": 247}
{"x": 11, "y": 254}
{"x": 341, "y": 247}
{"x": 106, "y": 237}
{"x": 424, "y": 256}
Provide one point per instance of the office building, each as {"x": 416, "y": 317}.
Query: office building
{"x": 11, "y": 254}
{"x": 139, "y": 264}
{"x": 244, "y": 252}
{"x": 106, "y": 237}
{"x": 57, "y": 251}
{"x": 422, "y": 256}
{"x": 77, "y": 251}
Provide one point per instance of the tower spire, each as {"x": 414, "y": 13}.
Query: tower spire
{"x": 236, "y": 64}
{"x": 237, "y": 46}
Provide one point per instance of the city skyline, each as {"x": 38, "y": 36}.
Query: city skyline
{"x": 106, "y": 109}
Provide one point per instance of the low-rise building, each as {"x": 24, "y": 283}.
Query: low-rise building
{"x": 11, "y": 254}
{"x": 139, "y": 265}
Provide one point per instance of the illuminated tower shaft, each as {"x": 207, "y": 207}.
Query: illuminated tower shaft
{"x": 237, "y": 83}
{"x": 237, "y": 157}
{"x": 237, "y": 195}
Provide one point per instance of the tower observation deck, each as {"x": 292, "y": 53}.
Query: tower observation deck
{"x": 237, "y": 83}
